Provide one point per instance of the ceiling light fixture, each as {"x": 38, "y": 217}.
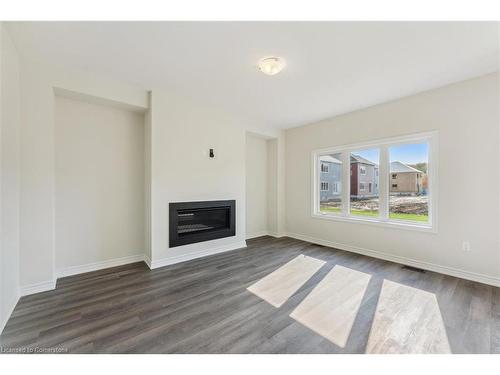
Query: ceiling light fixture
{"x": 271, "y": 65}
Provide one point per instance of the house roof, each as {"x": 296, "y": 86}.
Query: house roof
{"x": 398, "y": 167}
{"x": 331, "y": 159}
{"x": 359, "y": 159}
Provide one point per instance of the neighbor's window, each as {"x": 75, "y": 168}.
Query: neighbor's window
{"x": 364, "y": 177}
{"x": 330, "y": 200}
{"x": 404, "y": 196}
{"x": 408, "y": 198}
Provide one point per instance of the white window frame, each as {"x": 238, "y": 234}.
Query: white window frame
{"x": 327, "y": 186}
{"x": 323, "y": 164}
{"x": 384, "y": 182}
{"x": 362, "y": 186}
{"x": 362, "y": 169}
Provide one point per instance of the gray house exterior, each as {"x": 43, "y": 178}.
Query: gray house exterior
{"x": 330, "y": 178}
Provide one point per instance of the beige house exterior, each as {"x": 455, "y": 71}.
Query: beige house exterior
{"x": 405, "y": 179}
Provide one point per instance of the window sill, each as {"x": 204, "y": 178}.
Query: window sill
{"x": 396, "y": 224}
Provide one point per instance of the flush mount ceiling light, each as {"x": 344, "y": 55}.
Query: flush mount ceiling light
{"x": 271, "y": 65}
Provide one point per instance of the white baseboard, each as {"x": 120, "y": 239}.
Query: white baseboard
{"x": 147, "y": 260}
{"x": 199, "y": 254}
{"x": 485, "y": 279}
{"x": 276, "y": 234}
{"x": 265, "y": 233}
{"x": 257, "y": 234}
{"x": 38, "y": 287}
{"x": 11, "y": 305}
{"x": 75, "y": 270}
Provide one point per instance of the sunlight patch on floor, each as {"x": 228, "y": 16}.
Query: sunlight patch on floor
{"x": 331, "y": 307}
{"x": 407, "y": 320}
{"x": 281, "y": 284}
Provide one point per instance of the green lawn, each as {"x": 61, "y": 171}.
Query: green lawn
{"x": 330, "y": 209}
{"x": 411, "y": 217}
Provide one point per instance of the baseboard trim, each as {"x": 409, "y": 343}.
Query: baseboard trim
{"x": 199, "y": 254}
{"x": 147, "y": 260}
{"x": 265, "y": 233}
{"x": 276, "y": 234}
{"x": 75, "y": 270}
{"x": 257, "y": 234}
{"x": 10, "y": 309}
{"x": 44, "y": 286}
{"x": 485, "y": 279}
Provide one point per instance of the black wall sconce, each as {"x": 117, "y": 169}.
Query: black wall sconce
{"x": 211, "y": 153}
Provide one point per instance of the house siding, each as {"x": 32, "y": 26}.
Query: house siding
{"x": 368, "y": 178}
{"x": 354, "y": 179}
{"x": 407, "y": 182}
{"x": 333, "y": 177}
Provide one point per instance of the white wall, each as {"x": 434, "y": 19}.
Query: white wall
{"x": 37, "y": 174}
{"x": 9, "y": 176}
{"x": 276, "y": 185}
{"x": 182, "y": 132}
{"x": 466, "y": 116}
{"x": 256, "y": 186}
{"x": 99, "y": 171}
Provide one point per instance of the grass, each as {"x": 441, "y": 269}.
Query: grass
{"x": 397, "y": 216}
{"x": 412, "y": 217}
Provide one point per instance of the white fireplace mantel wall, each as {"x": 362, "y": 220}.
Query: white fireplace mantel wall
{"x": 179, "y": 133}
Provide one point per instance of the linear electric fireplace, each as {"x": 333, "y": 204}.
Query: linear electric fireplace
{"x": 192, "y": 222}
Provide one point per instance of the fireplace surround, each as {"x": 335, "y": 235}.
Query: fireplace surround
{"x": 192, "y": 222}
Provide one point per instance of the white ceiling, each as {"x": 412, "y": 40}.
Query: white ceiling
{"x": 332, "y": 67}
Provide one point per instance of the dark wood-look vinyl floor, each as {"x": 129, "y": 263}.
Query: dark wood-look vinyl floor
{"x": 202, "y": 306}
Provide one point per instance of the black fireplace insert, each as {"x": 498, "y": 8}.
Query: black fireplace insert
{"x": 192, "y": 222}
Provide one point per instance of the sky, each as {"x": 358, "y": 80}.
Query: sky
{"x": 408, "y": 154}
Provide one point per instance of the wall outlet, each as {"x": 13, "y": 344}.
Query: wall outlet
{"x": 466, "y": 246}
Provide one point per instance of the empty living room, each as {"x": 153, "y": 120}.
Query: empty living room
{"x": 226, "y": 185}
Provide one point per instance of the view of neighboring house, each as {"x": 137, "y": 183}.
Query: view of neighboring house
{"x": 330, "y": 178}
{"x": 405, "y": 179}
{"x": 364, "y": 177}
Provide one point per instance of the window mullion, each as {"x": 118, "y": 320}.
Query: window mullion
{"x": 346, "y": 183}
{"x": 383, "y": 182}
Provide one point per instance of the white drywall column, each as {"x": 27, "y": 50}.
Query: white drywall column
{"x": 276, "y": 185}
{"x": 147, "y": 183}
{"x": 280, "y": 186}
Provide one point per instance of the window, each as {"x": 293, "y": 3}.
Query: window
{"x": 330, "y": 200}
{"x": 408, "y": 199}
{"x": 403, "y": 198}
{"x": 324, "y": 168}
